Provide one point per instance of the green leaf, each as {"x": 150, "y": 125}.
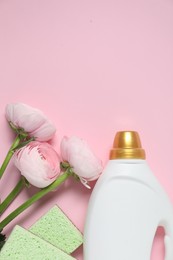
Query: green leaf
{"x": 64, "y": 165}
{"x": 13, "y": 127}
{"x": 19, "y": 131}
{"x": 27, "y": 184}
{"x": 22, "y": 144}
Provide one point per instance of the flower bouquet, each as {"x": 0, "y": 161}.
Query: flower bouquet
{"x": 38, "y": 162}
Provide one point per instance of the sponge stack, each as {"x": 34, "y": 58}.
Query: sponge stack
{"x": 23, "y": 245}
{"x": 57, "y": 229}
{"x": 52, "y": 237}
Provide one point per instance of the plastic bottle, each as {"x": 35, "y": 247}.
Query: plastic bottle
{"x": 126, "y": 207}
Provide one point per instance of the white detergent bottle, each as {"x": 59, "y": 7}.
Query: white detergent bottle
{"x": 126, "y": 207}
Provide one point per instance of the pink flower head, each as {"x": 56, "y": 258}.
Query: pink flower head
{"x": 38, "y": 163}
{"x": 31, "y": 120}
{"x": 78, "y": 154}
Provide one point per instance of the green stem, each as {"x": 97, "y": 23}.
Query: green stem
{"x": 34, "y": 198}
{"x": 9, "y": 155}
{"x": 17, "y": 189}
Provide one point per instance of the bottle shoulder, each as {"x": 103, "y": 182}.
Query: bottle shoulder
{"x": 132, "y": 168}
{"x": 136, "y": 171}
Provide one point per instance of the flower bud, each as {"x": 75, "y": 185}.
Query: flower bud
{"x": 83, "y": 161}
{"x": 25, "y": 119}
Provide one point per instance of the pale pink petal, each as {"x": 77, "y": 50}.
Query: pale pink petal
{"x": 24, "y": 116}
{"x": 45, "y": 132}
{"x": 64, "y": 148}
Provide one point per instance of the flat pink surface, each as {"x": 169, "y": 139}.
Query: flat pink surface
{"x": 94, "y": 67}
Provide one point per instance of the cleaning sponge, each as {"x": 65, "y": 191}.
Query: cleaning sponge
{"x": 57, "y": 229}
{"x": 23, "y": 245}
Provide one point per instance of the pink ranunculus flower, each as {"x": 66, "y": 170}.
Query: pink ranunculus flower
{"x": 39, "y": 163}
{"x": 31, "y": 120}
{"x": 78, "y": 154}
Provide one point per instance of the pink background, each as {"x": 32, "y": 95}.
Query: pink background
{"x": 94, "y": 67}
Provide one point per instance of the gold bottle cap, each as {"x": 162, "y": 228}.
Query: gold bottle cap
{"x": 127, "y": 145}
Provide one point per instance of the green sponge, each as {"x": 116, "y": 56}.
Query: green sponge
{"x": 55, "y": 228}
{"x": 23, "y": 245}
